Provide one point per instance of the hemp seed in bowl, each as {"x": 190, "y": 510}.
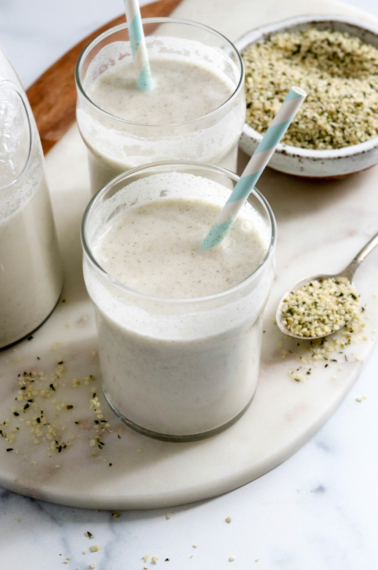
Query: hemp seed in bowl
{"x": 339, "y": 72}
{"x": 320, "y": 307}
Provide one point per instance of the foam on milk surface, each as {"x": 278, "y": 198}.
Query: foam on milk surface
{"x": 14, "y": 134}
{"x": 181, "y": 91}
{"x": 155, "y": 249}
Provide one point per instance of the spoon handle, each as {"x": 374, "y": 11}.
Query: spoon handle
{"x": 350, "y": 270}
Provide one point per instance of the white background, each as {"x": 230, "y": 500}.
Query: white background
{"x": 316, "y": 511}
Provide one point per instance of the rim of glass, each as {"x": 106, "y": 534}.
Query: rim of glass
{"x": 96, "y": 198}
{"x": 167, "y": 20}
{"x": 11, "y": 85}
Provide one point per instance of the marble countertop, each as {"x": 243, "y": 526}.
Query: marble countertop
{"x": 317, "y": 511}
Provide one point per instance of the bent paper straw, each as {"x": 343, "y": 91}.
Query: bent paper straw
{"x": 138, "y": 45}
{"x": 255, "y": 167}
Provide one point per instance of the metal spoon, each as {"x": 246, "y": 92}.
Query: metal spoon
{"x": 348, "y": 272}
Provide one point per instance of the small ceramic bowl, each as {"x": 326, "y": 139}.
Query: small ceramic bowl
{"x": 307, "y": 162}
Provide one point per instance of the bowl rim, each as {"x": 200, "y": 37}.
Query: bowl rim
{"x": 275, "y": 27}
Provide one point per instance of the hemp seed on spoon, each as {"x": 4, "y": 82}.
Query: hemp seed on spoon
{"x": 320, "y": 307}
{"x": 322, "y": 304}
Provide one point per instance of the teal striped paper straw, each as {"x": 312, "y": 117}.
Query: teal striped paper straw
{"x": 255, "y": 167}
{"x": 138, "y": 45}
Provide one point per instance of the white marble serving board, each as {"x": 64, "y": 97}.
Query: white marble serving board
{"x": 320, "y": 227}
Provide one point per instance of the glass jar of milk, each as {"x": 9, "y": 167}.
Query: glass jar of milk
{"x": 30, "y": 269}
{"x": 179, "y": 328}
{"x": 195, "y": 110}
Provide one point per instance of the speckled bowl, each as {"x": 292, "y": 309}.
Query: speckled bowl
{"x": 305, "y": 162}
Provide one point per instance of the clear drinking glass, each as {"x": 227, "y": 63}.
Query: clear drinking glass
{"x": 115, "y": 145}
{"x": 30, "y": 269}
{"x": 176, "y": 369}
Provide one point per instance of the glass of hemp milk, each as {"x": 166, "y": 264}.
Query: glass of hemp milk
{"x": 30, "y": 269}
{"x": 179, "y": 328}
{"x": 195, "y": 110}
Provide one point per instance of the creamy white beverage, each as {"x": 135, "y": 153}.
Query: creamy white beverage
{"x": 182, "y": 117}
{"x": 30, "y": 270}
{"x": 180, "y": 334}
{"x": 155, "y": 249}
{"x": 181, "y": 91}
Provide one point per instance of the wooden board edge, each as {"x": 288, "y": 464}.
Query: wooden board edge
{"x": 53, "y": 96}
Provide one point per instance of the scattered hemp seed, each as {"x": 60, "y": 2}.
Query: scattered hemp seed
{"x": 360, "y": 398}
{"x": 92, "y": 565}
{"x": 115, "y": 515}
{"x": 167, "y": 560}
{"x": 95, "y": 548}
{"x": 154, "y": 560}
{"x": 195, "y": 545}
{"x": 168, "y": 516}
{"x": 89, "y": 534}
{"x": 38, "y": 399}
{"x": 146, "y": 557}
{"x": 295, "y": 376}
{"x": 232, "y": 558}
{"x": 228, "y": 520}
{"x": 320, "y": 307}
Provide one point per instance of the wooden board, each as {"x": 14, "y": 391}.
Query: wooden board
{"x": 53, "y": 96}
